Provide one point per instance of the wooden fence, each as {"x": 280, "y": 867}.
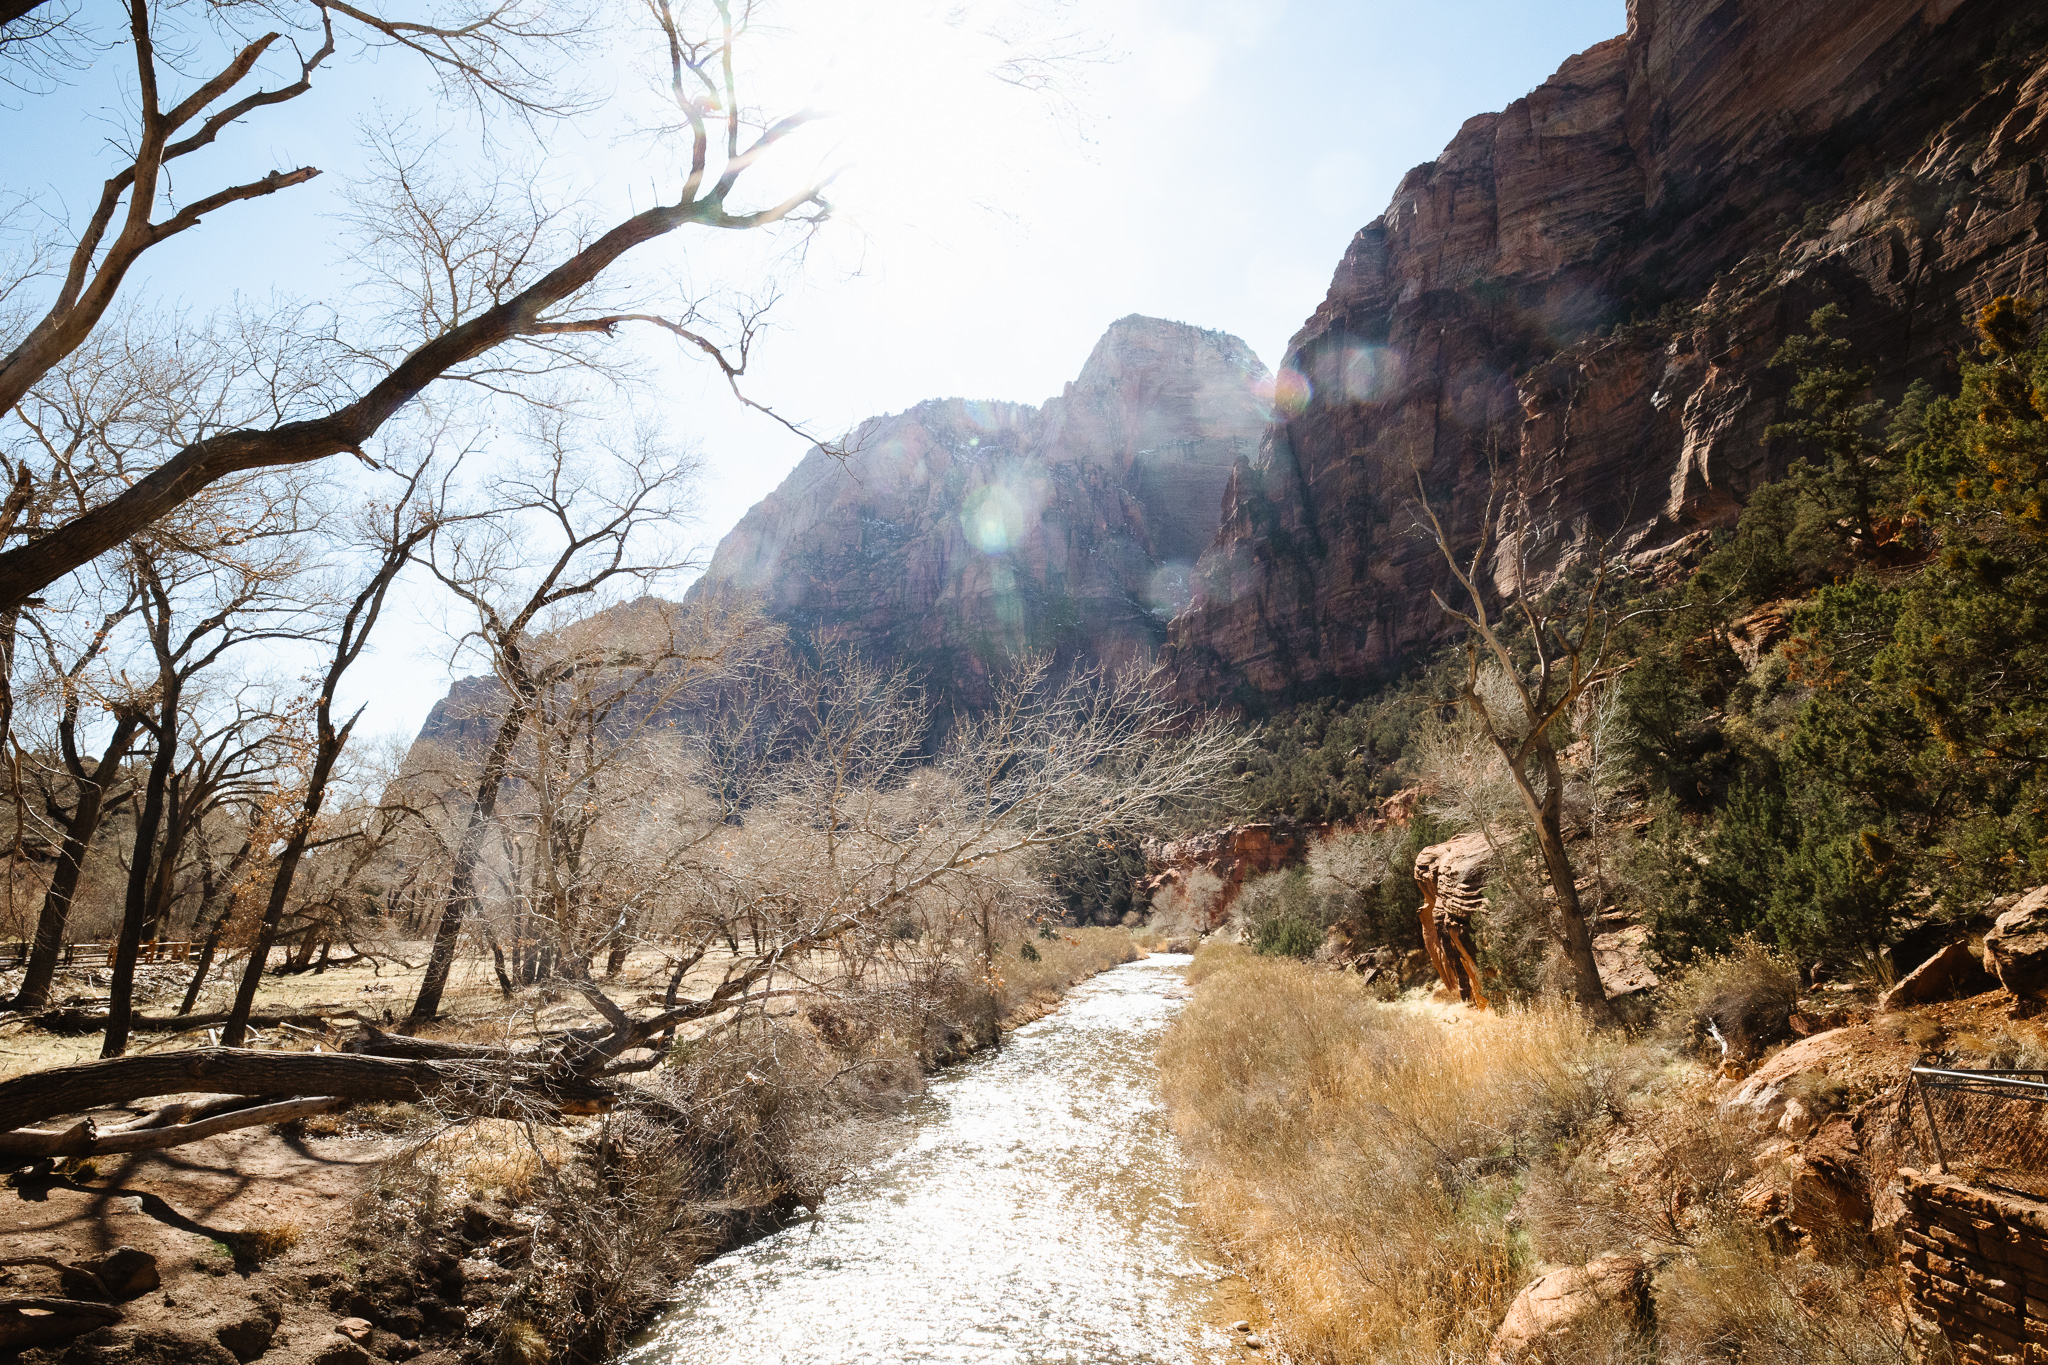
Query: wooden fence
{"x": 101, "y": 954}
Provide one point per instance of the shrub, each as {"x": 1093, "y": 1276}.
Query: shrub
{"x": 1747, "y": 995}
{"x": 1288, "y": 936}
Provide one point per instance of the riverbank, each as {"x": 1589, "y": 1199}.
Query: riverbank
{"x": 399, "y": 1232}
{"x": 1391, "y": 1176}
{"x": 1034, "y": 1214}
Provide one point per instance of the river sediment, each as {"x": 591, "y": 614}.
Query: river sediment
{"x": 1034, "y": 1215}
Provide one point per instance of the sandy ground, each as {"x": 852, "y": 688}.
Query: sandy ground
{"x": 186, "y": 1207}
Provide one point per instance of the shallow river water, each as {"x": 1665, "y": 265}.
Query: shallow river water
{"x": 1036, "y": 1216}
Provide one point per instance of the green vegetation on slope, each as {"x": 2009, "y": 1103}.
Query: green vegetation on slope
{"x": 1878, "y": 773}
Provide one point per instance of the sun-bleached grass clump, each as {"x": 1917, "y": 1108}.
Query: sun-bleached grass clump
{"x": 1050, "y": 965}
{"x": 1360, "y": 1159}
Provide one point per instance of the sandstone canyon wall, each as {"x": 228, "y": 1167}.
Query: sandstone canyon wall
{"x": 959, "y": 535}
{"x": 1583, "y": 290}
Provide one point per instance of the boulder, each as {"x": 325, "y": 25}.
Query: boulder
{"x": 125, "y": 1271}
{"x": 1625, "y": 961}
{"x": 1557, "y": 1311}
{"x": 2017, "y": 946}
{"x": 1828, "y": 1073}
{"x": 156, "y": 1345}
{"x": 1452, "y": 876}
{"x": 247, "y": 1337}
{"x": 1827, "y": 1196}
{"x": 37, "y": 1321}
{"x": 341, "y": 1352}
{"x": 1950, "y": 974}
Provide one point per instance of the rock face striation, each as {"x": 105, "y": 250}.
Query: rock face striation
{"x": 1583, "y": 291}
{"x": 960, "y": 535}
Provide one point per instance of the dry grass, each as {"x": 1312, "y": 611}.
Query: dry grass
{"x": 1360, "y": 1159}
{"x": 491, "y": 1158}
{"x": 1069, "y": 956}
{"x": 1390, "y": 1176}
{"x": 265, "y": 1242}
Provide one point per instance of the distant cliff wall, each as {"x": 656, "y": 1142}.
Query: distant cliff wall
{"x": 960, "y": 535}
{"x": 1584, "y": 288}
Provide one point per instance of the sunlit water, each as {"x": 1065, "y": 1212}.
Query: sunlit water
{"x": 1035, "y": 1217}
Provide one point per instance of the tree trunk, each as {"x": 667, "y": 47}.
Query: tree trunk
{"x": 1578, "y": 940}
{"x": 462, "y": 882}
{"x": 85, "y": 1086}
{"x": 79, "y": 831}
{"x": 331, "y": 745}
{"x": 121, "y": 996}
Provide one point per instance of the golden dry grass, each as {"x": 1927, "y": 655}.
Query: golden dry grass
{"x": 491, "y": 1158}
{"x": 1071, "y": 955}
{"x": 1359, "y": 1159}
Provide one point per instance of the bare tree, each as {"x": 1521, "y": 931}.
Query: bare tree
{"x": 1563, "y": 628}
{"x": 221, "y": 576}
{"x": 608, "y": 523}
{"x": 95, "y": 788}
{"x": 1057, "y": 758}
{"x": 526, "y": 279}
{"x": 395, "y": 533}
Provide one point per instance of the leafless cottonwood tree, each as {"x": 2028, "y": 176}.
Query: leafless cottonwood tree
{"x": 503, "y": 280}
{"x": 394, "y": 535}
{"x": 607, "y": 517}
{"x": 1055, "y": 758}
{"x": 226, "y": 572}
{"x": 76, "y": 794}
{"x": 1563, "y": 629}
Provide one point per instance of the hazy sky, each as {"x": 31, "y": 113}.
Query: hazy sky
{"x": 1210, "y": 169}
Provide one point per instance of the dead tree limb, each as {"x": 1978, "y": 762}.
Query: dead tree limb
{"x": 84, "y": 1139}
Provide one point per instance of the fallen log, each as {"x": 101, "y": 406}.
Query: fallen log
{"x": 83, "y": 1139}
{"x": 71, "y": 1020}
{"x": 41, "y": 1096}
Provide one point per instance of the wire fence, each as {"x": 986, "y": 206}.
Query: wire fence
{"x": 1989, "y": 1127}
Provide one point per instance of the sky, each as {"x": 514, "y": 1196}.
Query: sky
{"x": 1203, "y": 160}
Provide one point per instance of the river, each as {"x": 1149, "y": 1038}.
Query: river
{"x": 1035, "y": 1216}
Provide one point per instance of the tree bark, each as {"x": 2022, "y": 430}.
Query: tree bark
{"x": 84, "y": 1139}
{"x": 84, "y": 1086}
{"x": 142, "y": 863}
{"x": 79, "y": 829}
{"x": 462, "y": 881}
{"x": 1545, "y": 813}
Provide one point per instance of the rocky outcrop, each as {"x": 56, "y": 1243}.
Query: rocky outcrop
{"x": 1231, "y": 856}
{"x": 959, "y": 535}
{"x": 1452, "y": 876}
{"x": 1584, "y": 290}
{"x": 1559, "y": 1314}
{"x": 1798, "y": 1090}
{"x": 2017, "y": 946}
{"x": 1950, "y": 974}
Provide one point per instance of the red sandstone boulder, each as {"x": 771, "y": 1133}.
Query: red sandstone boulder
{"x": 1828, "y": 1073}
{"x": 1950, "y": 974}
{"x": 1452, "y": 876}
{"x": 2017, "y": 946}
{"x": 1558, "y": 1313}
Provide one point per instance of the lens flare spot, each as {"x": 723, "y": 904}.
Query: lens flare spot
{"x": 993, "y": 520}
{"x": 1171, "y": 589}
{"x": 1371, "y": 373}
{"x": 1289, "y": 393}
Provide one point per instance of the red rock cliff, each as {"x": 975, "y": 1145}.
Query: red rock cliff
{"x": 1713, "y": 175}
